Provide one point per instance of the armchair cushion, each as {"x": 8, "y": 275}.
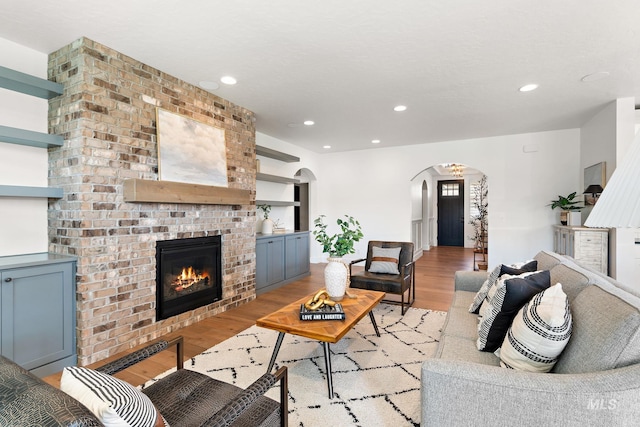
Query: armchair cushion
{"x": 385, "y": 260}
{"x": 113, "y": 401}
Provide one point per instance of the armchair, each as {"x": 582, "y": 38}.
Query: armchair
{"x": 183, "y": 397}
{"x": 399, "y": 277}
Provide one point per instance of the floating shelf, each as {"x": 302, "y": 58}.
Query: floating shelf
{"x": 29, "y": 137}
{"x": 24, "y": 191}
{"x": 30, "y": 85}
{"x": 278, "y": 155}
{"x": 275, "y": 178}
{"x": 276, "y": 203}
{"x": 146, "y": 191}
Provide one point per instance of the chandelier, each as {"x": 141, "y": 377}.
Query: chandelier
{"x": 456, "y": 169}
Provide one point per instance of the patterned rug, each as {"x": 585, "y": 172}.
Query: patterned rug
{"x": 376, "y": 380}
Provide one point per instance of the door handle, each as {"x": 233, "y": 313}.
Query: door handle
{"x": 8, "y": 279}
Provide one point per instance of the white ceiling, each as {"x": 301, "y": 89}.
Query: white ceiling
{"x": 456, "y": 64}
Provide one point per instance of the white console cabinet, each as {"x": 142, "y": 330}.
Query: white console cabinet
{"x": 588, "y": 246}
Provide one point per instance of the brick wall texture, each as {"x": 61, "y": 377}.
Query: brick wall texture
{"x": 107, "y": 117}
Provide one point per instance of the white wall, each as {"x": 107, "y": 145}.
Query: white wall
{"x": 375, "y": 187}
{"x": 23, "y": 221}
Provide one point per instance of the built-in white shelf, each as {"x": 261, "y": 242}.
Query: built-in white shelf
{"x": 275, "y": 178}
{"x": 277, "y": 203}
{"x": 29, "y": 137}
{"x": 274, "y": 154}
{"x": 25, "y": 191}
{"x": 30, "y": 85}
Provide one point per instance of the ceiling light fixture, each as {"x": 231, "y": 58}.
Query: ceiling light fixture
{"x": 228, "y": 80}
{"x": 205, "y": 84}
{"x": 399, "y": 108}
{"x": 528, "y": 88}
{"x": 309, "y": 123}
{"x": 375, "y": 141}
{"x": 326, "y": 147}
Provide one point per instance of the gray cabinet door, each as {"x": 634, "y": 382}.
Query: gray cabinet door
{"x": 37, "y": 314}
{"x": 269, "y": 261}
{"x": 297, "y": 255}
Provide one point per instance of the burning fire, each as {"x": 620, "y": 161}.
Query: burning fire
{"x": 188, "y": 278}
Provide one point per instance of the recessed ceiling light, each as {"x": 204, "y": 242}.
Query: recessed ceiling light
{"x": 595, "y": 76}
{"x": 205, "y": 84}
{"x": 399, "y": 108}
{"x": 375, "y": 141}
{"x": 528, "y": 88}
{"x": 309, "y": 123}
{"x": 228, "y": 80}
{"x": 326, "y": 147}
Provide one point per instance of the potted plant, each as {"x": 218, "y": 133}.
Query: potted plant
{"x": 336, "y": 273}
{"x": 480, "y": 221}
{"x": 567, "y": 204}
{"x": 267, "y": 224}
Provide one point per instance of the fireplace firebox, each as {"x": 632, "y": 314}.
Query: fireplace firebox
{"x": 188, "y": 274}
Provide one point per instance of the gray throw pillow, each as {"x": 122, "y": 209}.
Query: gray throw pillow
{"x": 385, "y": 260}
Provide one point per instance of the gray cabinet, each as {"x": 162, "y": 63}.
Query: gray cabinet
{"x": 588, "y": 246}
{"x": 281, "y": 259}
{"x": 296, "y": 255}
{"x": 37, "y": 311}
{"x": 269, "y": 262}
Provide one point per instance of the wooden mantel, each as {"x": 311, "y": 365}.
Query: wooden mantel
{"x": 145, "y": 191}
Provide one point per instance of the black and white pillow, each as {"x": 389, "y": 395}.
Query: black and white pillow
{"x": 112, "y": 401}
{"x": 502, "y": 304}
{"x": 385, "y": 260}
{"x": 513, "y": 269}
{"x": 539, "y": 332}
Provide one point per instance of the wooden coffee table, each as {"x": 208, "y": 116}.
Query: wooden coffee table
{"x": 287, "y": 321}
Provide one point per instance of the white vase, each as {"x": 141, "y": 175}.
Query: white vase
{"x": 267, "y": 226}
{"x": 336, "y": 275}
{"x": 575, "y": 218}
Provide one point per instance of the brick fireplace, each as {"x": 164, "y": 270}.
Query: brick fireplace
{"x": 107, "y": 118}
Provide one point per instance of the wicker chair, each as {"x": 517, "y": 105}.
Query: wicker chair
{"x": 399, "y": 284}
{"x": 184, "y": 397}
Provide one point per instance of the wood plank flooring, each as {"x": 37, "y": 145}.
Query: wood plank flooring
{"x": 434, "y": 290}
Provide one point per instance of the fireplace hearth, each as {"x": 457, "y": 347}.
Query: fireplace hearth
{"x": 188, "y": 274}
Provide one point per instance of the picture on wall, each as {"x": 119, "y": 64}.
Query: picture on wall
{"x": 190, "y": 151}
{"x": 594, "y": 175}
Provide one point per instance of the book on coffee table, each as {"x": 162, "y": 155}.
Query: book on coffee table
{"x": 323, "y": 313}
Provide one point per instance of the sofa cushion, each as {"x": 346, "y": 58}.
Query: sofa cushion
{"x": 458, "y": 348}
{"x": 113, "y": 401}
{"x": 574, "y": 280}
{"x": 606, "y": 331}
{"x": 502, "y": 304}
{"x": 539, "y": 332}
{"x": 496, "y": 273}
{"x": 461, "y": 323}
{"x": 385, "y": 260}
{"x": 547, "y": 260}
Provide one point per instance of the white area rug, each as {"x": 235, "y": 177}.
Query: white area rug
{"x": 376, "y": 380}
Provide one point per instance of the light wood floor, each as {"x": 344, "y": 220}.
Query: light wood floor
{"x": 434, "y": 290}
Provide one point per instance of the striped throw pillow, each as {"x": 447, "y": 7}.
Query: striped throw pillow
{"x": 385, "y": 260}
{"x": 539, "y": 333}
{"x": 114, "y": 402}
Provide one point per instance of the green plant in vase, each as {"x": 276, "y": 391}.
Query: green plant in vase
{"x": 339, "y": 244}
{"x": 336, "y": 273}
{"x": 566, "y": 204}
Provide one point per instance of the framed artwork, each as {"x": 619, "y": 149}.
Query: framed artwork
{"x": 594, "y": 175}
{"x": 190, "y": 151}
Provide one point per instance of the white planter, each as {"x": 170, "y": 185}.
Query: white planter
{"x": 336, "y": 274}
{"x": 574, "y": 219}
{"x": 267, "y": 226}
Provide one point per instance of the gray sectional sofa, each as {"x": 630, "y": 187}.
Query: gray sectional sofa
{"x": 596, "y": 380}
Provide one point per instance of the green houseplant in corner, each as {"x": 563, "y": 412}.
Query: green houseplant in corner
{"x": 566, "y": 204}
{"x": 336, "y": 273}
